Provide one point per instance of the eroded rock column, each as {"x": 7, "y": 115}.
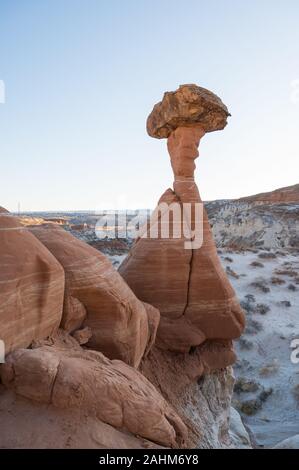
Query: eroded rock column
{"x": 188, "y": 285}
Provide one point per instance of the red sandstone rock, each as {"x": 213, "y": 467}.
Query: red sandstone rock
{"x": 290, "y": 194}
{"x": 96, "y": 296}
{"x": 188, "y": 286}
{"x": 111, "y": 391}
{"x": 31, "y": 287}
{"x": 188, "y": 105}
{"x": 83, "y": 335}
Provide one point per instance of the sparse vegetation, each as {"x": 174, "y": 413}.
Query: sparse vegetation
{"x": 245, "y": 344}
{"x": 250, "y": 407}
{"x": 250, "y": 297}
{"x": 285, "y": 303}
{"x": 292, "y": 287}
{"x": 260, "y": 285}
{"x": 267, "y": 255}
{"x": 253, "y": 327}
{"x": 262, "y": 309}
{"x": 295, "y": 392}
{"x": 286, "y": 272}
{"x": 257, "y": 264}
{"x": 269, "y": 369}
{"x": 231, "y": 272}
{"x": 228, "y": 259}
{"x": 243, "y": 385}
{"x": 247, "y": 306}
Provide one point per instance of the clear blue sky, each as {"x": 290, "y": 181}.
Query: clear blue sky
{"x": 81, "y": 77}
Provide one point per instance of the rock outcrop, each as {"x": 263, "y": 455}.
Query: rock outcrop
{"x": 97, "y": 297}
{"x": 3, "y": 210}
{"x": 188, "y": 105}
{"x": 188, "y": 286}
{"x": 289, "y": 194}
{"x": 103, "y": 379}
{"x": 65, "y": 376}
{"x": 31, "y": 287}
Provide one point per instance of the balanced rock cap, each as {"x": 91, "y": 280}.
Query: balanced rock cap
{"x": 188, "y": 105}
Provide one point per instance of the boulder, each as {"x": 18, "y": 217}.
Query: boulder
{"x": 70, "y": 378}
{"x": 188, "y": 105}
{"x": 31, "y": 287}
{"x": 97, "y": 297}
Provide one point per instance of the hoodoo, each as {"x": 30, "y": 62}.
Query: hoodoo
{"x": 186, "y": 283}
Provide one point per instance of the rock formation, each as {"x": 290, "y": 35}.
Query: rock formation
{"x": 96, "y": 296}
{"x": 3, "y": 210}
{"x": 188, "y": 286}
{"x": 289, "y": 194}
{"x": 83, "y": 367}
{"x": 67, "y": 377}
{"x": 31, "y": 287}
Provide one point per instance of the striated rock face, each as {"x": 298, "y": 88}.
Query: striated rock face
{"x": 289, "y": 194}
{"x": 188, "y": 286}
{"x": 31, "y": 287}
{"x": 60, "y": 394}
{"x": 97, "y": 297}
{"x": 188, "y": 105}
{"x": 67, "y": 377}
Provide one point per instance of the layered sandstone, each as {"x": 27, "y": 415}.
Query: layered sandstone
{"x": 64, "y": 376}
{"x": 188, "y": 105}
{"x": 183, "y": 280}
{"x": 97, "y": 297}
{"x": 31, "y": 287}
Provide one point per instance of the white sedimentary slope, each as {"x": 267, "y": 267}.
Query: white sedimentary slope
{"x": 267, "y": 388}
{"x": 250, "y": 225}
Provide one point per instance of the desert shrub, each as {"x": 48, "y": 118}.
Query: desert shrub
{"x": 231, "y": 272}
{"x": 267, "y": 255}
{"x": 229, "y": 259}
{"x": 285, "y": 303}
{"x": 280, "y": 253}
{"x": 262, "y": 309}
{"x": 250, "y": 407}
{"x": 265, "y": 394}
{"x": 243, "y": 385}
{"x": 269, "y": 369}
{"x": 277, "y": 281}
{"x": 247, "y": 306}
{"x": 253, "y": 327}
{"x": 257, "y": 264}
{"x": 250, "y": 298}
{"x": 286, "y": 272}
{"x": 245, "y": 344}
{"x": 295, "y": 392}
{"x": 260, "y": 285}
{"x": 292, "y": 287}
